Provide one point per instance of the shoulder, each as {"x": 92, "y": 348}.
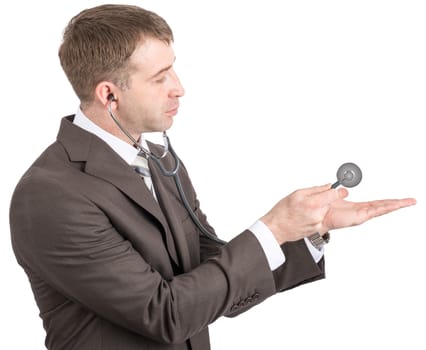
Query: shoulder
{"x": 48, "y": 168}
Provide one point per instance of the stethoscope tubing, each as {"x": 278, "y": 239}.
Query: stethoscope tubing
{"x": 174, "y": 172}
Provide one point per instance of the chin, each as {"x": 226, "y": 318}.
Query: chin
{"x": 168, "y": 124}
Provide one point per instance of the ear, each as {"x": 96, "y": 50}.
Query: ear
{"x": 105, "y": 92}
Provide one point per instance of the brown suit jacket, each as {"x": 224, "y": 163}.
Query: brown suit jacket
{"x": 111, "y": 268}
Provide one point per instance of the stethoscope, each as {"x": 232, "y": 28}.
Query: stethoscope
{"x": 174, "y": 172}
{"x": 348, "y": 174}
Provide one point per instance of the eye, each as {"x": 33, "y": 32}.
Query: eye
{"x": 160, "y": 79}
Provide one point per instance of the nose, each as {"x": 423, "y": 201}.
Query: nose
{"x": 177, "y": 90}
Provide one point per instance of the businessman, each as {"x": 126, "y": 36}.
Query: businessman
{"x": 114, "y": 259}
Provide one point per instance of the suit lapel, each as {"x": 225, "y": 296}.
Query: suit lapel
{"x": 104, "y": 163}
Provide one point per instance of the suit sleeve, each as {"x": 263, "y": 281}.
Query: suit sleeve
{"x": 299, "y": 267}
{"x": 70, "y": 243}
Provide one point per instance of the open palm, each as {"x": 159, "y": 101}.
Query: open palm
{"x": 343, "y": 213}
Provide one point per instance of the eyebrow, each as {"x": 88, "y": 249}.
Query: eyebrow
{"x": 162, "y": 70}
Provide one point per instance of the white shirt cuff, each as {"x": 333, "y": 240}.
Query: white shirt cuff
{"x": 269, "y": 244}
{"x": 317, "y": 254}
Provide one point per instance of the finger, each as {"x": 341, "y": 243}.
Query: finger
{"x": 407, "y": 202}
{"x": 325, "y": 198}
{"x": 315, "y": 189}
{"x": 400, "y": 203}
{"x": 382, "y": 207}
{"x": 342, "y": 192}
{"x": 394, "y": 204}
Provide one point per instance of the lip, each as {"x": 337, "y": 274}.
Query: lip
{"x": 173, "y": 111}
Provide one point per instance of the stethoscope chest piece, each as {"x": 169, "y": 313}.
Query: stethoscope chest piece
{"x": 348, "y": 175}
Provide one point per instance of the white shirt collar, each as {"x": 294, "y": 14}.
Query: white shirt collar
{"x": 123, "y": 149}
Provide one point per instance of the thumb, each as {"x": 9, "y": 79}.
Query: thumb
{"x": 330, "y": 195}
{"x": 342, "y": 192}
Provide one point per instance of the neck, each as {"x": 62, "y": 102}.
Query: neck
{"x": 102, "y": 118}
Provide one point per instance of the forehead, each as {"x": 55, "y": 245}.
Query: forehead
{"x": 151, "y": 56}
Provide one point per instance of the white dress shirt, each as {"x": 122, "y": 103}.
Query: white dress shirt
{"x": 269, "y": 244}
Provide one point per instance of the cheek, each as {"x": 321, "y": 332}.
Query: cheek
{"x": 151, "y": 100}
{"x": 148, "y": 108}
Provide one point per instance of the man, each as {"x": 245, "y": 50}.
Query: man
{"x": 114, "y": 258}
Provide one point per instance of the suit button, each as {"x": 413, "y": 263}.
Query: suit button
{"x": 256, "y": 296}
{"x": 234, "y": 307}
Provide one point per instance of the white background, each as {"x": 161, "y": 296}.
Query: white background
{"x": 278, "y": 95}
